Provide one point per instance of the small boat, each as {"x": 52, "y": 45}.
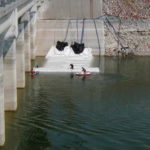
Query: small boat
{"x": 33, "y": 72}
{"x": 87, "y": 73}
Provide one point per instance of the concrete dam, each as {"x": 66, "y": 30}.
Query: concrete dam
{"x": 29, "y": 28}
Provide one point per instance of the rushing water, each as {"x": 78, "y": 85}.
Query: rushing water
{"x": 108, "y": 111}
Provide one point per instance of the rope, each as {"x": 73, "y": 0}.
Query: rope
{"x": 54, "y": 36}
{"x": 111, "y": 32}
{"x": 99, "y": 46}
{"x": 82, "y": 34}
{"x": 77, "y": 29}
{"x": 116, "y": 34}
{"x": 97, "y": 36}
{"x": 116, "y": 37}
{"x": 67, "y": 30}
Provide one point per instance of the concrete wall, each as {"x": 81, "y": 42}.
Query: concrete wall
{"x": 64, "y": 9}
{"x": 50, "y": 31}
{"x": 51, "y": 25}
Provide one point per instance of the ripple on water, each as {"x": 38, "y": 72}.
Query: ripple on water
{"x": 108, "y": 111}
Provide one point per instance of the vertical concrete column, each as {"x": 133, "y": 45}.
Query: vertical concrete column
{"x": 33, "y": 17}
{"x": 9, "y": 54}
{"x": 10, "y": 84}
{"x": 20, "y": 57}
{"x": 2, "y": 116}
{"x": 27, "y": 44}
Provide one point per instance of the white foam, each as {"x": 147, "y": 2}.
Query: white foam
{"x": 67, "y": 70}
{"x": 59, "y": 61}
{"x": 53, "y": 52}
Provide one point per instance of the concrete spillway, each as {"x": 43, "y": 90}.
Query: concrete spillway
{"x": 59, "y": 61}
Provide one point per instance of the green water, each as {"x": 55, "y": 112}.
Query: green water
{"x": 108, "y": 111}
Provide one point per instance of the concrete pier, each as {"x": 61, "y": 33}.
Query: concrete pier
{"x": 33, "y": 17}
{"x": 27, "y": 45}
{"x": 20, "y": 55}
{"x": 2, "y": 118}
{"x": 9, "y": 54}
{"x": 10, "y": 84}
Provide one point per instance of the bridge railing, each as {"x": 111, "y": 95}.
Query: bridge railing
{"x": 5, "y": 2}
{"x": 7, "y": 6}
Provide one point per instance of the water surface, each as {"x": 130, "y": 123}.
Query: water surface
{"x": 107, "y": 111}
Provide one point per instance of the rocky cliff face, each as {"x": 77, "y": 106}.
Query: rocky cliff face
{"x": 134, "y": 9}
{"x": 132, "y": 28}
